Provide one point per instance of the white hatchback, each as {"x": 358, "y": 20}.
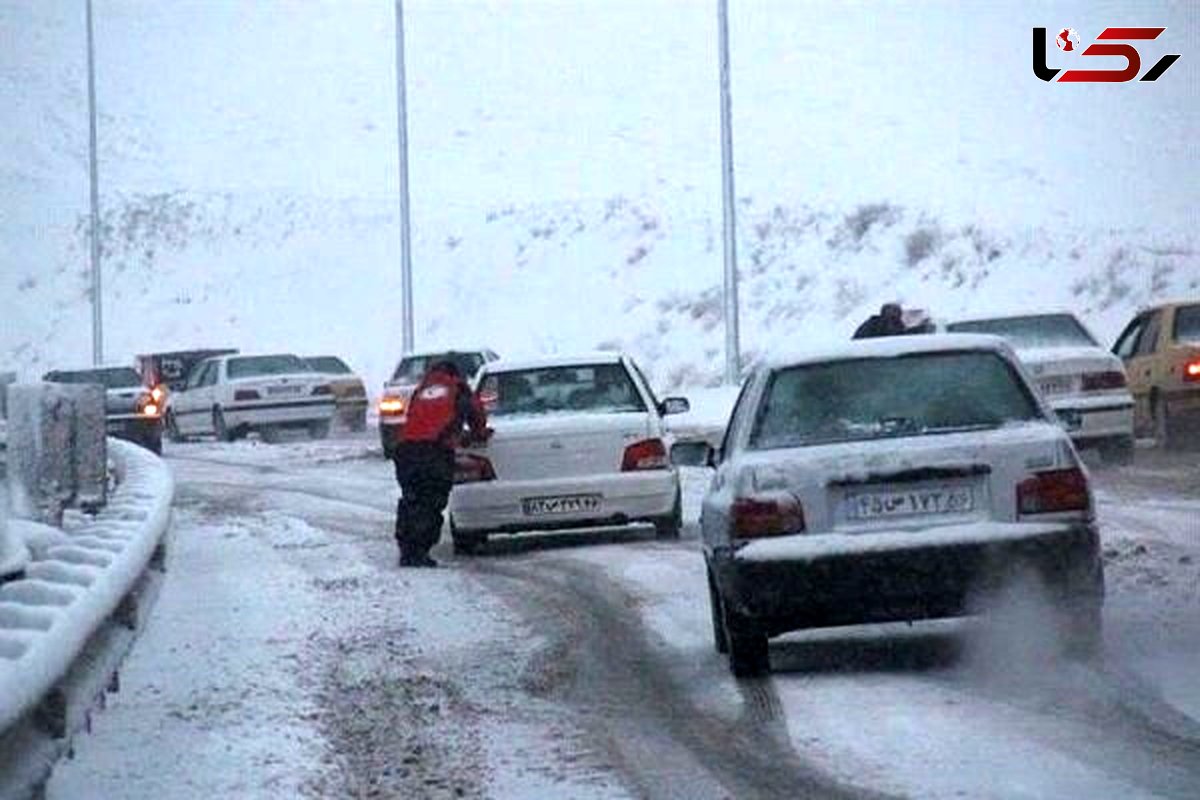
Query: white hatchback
{"x": 1085, "y": 384}
{"x": 893, "y": 479}
{"x": 577, "y": 442}
{"x": 230, "y": 396}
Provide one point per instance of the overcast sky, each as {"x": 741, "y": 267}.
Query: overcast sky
{"x": 930, "y": 104}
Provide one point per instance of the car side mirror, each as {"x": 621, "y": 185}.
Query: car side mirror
{"x": 674, "y": 405}
{"x": 696, "y": 453}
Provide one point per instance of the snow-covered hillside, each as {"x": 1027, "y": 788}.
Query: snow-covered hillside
{"x": 277, "y": 272}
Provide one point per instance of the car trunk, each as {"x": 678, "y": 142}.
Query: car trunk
{"x": 123, "y": 401}
{"x": 912, "y": 482}
{"x": 1060, "y": 371}
{"x": 563, "y": 445}
{"x": 276, "y": 387}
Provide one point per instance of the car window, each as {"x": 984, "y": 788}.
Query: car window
{"x": 737, "y": 418}
{"x": 1187, "y": 325}
{"x": 196, "y": 376}
{"x": 262, "y": 366}
{"x": 645, "y": 383}
{"x": 1040, "y": 330}
{"x": 210, "y": 374}
{"x": 591, "y": 388}
{"x": 875, "y": 398}
{"x": 1148, "y": 340}
{"x": 109, "y": 378}
{"x": 1127, "y": 341}
{"x": 329, "y": 365}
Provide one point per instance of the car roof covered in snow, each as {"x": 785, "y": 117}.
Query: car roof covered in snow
{"x": 1015, "y": 314}
{"x": 544, "y": 362}
{"x": 893, "y": 347}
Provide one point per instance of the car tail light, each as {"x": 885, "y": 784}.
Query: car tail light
{"x": 1191, "y": 372}
{"x": 470, "y": 468}
{"x": 246, "y": 394}
{"x": 646, "y": 454}
{"x": 323, "y": 389}
{"x": 1097, "y": 381}
{"x": 158, "y": 394}
{"x": 391, "y": 405}
{"x": 1053, "y": 491}
{"x": 756, "y": 517}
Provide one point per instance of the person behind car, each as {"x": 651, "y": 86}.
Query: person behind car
{"x": 441, "y": 405}
{"x": 888, "y": 322}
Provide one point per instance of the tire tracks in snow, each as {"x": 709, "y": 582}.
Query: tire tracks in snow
{"x": 598, "y": 659}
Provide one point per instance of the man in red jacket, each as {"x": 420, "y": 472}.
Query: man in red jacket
{"x": 424, "y": 458}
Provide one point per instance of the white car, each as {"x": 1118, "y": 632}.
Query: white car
{"x": 892, "y": 479}
{"x": 577, "y": 442}
{"x": 230, "y": 396}
{"x": 393, "y": 405}
{"x": 1085, "y": 384}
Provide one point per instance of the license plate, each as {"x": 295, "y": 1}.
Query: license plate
{"x": 1060, "y": 385}
{"x": 277, "y": 390}
{"x": 564, "y": 504}
{"x": 910, "y": 502}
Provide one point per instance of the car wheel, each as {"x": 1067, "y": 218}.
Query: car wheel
{"x": 718, "y": 621}
{"x": 466, "y": 544}
{"x": 670, "y": 526}
{"x": 1118, "y": 451}
{"x": 749, "y": 655}
{"x": 318, "y": 430}
{"x": 153, "y": 443}
{"x": 173, "y": 428}
{"x": 220, "y": 428}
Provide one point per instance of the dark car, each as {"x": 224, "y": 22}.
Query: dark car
{"x": 133, "y": 410}
{"x": 171, "y": 369}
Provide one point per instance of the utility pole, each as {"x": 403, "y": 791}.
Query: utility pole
{"x": 405, "y": 234}
{"x": 729, "y": 228}
{"x": 94, "y": 227}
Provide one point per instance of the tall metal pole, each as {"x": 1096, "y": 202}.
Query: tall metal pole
{"x": 94, "y": 227}
{"x": 729, "y": 228}
{"x": 405, "y": 235}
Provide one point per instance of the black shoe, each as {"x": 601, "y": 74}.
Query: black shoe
{"x": 426, "y": 561}
{"x": 408, "y": 561}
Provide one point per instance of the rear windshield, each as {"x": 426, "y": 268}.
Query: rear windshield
{"x": 1187, "y": 324}
{"x": 113, "y": 378}
{"x": 1045, "y": 330}
{"x": 330, "y": 365}
{"x": 254, "y": 366}
{"x": 412, "y": 368}
{"x": 593, "y": 388}
{"x": 876, "y": 398}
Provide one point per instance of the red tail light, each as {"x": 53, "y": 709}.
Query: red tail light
{"x": 1098, "y": 381}
{"x": 756, "y": 517}
{"x": 1191, "y": 372}
{"x": 245, "y": 394}
{"x": 646, "y": 454}
{"x": 148, "y": 406}
{"x": 469, "y": 468}
{"x": 1056, "y": 490}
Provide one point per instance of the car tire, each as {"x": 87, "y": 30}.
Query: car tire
{"x": 1165, "y": 434}
{"x": 318, "y": 430}
{"x": 172, "y": 426}
{"x": 718, "y": 615}
{"x": 1118, "y": 452}
{"x": 749, "y": 653}
{"x": 466, "y": 544}
{"x": 153, "y": 443}
{"x": 220, "y": 428}
{"x": 670, "y": 526}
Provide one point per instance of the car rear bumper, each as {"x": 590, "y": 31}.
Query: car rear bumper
{"x": 624, "y": 498}
{"x": 134, "y": 427}
{"x": 296, "y": 412}
{"x": 882, "y": 582}
{"x": 1096, "y": 417}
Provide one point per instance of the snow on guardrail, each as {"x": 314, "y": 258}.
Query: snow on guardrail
{"x": 76, "y": 580}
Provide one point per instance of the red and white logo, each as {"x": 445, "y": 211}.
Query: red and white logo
{"x": 1068, "y": 40}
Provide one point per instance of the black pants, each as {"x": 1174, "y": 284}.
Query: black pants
{"x": 425, "y": 472}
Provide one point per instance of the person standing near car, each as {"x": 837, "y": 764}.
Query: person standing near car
{"x": 441, "y": 406}
{"x": 888, "y": 322}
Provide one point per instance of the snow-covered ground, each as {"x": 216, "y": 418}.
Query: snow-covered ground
{"x": 289, "y": 657}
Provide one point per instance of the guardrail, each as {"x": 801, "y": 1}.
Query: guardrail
{"x": 71, "y": 617}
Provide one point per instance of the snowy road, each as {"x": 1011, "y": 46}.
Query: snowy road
{"x": 289, "y": 657}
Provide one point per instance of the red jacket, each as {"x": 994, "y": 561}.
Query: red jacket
{"x": 439, "y": 408}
